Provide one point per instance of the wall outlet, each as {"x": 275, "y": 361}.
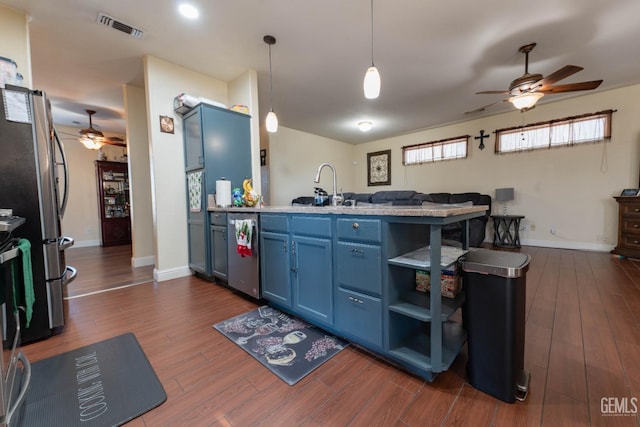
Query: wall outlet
{"x": 532, "y": 227}
{"x": 553, "y": 230}
{"x": 88, "y": 231}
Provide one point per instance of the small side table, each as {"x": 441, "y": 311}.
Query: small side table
{"x": 506, "y": 230}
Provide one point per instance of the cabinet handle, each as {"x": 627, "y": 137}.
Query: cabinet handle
{"x": 357, "y": 251}
{"x": 635, "y": 242}
{"x": 636, "y": 210}
{"x": 359, "y": 301}
{"x": 284, "y": 246}
{"x": 635, "y": 225}
{"x": 355, "y": 225}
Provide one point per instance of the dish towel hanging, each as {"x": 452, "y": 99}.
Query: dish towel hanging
{"x": 244, "y": 232}
{"x": 27, "y": 279}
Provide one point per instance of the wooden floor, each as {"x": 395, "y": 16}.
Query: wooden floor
{"x": 582, "y": 345}
{"x": 101, "y": 268}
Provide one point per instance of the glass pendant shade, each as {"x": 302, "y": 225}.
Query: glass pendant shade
{"x": 526, "y": 100}
{"x": 372, "y": 83}
{"x": 272, "y": 122}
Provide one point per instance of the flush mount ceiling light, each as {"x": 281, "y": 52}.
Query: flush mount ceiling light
{"x": 526, "y": 100}
{"x": 365, "y": 126}
{"x": 188, "y": 11}
{"x": 272, "y": 120}
{"x": 372, "y": 82}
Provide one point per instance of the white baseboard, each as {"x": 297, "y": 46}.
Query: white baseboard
{"x": 171, "y": 273}
{"x": 582, "y": 246}
{"x": 85, "y": 243}
{"x": 143, "y": 261}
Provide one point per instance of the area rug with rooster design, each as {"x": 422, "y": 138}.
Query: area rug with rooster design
{"x": 287, "y": 346}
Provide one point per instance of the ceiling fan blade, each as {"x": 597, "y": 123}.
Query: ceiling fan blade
{"x": 116, "y": 143}
{"x": 493, "y": 92}
{"x": 560, "y": 74}
{"x": 478, "y": 110}
{"x": 571, "y": 87}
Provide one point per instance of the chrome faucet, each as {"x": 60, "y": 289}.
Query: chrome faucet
{"x": 335, "y": 199}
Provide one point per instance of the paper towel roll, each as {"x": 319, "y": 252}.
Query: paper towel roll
{"x": 223, "y": 193}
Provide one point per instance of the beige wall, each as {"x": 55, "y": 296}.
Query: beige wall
{"x": 14, "y": 40}
{"x": 164, "y": 81}
{"x": 294, "y": 158}
{"x": 569, "y": 189}
{"x": 142, "y": 237}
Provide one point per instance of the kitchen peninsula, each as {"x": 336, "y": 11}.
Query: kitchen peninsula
{"x": 346, "y": 270}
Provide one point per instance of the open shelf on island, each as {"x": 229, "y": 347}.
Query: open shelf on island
{"x": 421, "y": 257}
{"x": 414, "y": 348}
{"x": 416, "y": 305}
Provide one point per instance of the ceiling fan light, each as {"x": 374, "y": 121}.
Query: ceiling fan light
{"x": 372, "y": 83}
{"x": 526, "y": 100}
{"x": 91, "y": 144}
{"x": 365, "y": 126}
{"x": 272, "y": 122}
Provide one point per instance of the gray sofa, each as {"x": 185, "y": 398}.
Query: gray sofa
{"x": 477, "y": 226}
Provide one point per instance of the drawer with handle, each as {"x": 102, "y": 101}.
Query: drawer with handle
{"x": 358, "y": 267}
{"x": 631, "y": 241}
{"x": 359, "y": 229}
{"x": 630, "y": 208}
{"x": 631, "y": 225}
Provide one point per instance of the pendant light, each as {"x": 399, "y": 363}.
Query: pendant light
{"x": 372, "y": 76}
{"x": 272, "y": 120}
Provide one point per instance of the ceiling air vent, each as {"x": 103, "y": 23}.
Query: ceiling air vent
{"x": 107, "y": 20}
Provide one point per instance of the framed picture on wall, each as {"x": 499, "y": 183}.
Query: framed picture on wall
{"x": 379, "y": 168}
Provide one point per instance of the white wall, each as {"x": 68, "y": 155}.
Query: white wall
{"x": 14, "y": 40}
{"x": 142, "y": 237}
{"x": 569, "y": 189}
{"x": 294, "y": 158}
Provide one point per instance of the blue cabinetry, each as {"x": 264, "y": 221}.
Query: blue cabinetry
{"x": 359, "y": 280}
{"x": 275, "y": 259}
{"x": 217, "y": 144}
{"x": 296, "y": 265}
{"x": 219, "y": 255}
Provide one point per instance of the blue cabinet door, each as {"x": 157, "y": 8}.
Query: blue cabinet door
{"x": 313, "y": 279}
{"x": 193, "y": 150}
{"x": 275, "y": 263}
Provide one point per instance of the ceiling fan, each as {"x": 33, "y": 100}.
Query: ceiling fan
{"x": 93, "y": 139}
{"x": 527, "y": 89}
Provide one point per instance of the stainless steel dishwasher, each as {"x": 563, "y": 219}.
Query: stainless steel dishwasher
{"x": 244, "y": 271}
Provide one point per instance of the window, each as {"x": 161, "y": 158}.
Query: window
{"x": 594, "y": 127}
{"x": 435, "y": 151}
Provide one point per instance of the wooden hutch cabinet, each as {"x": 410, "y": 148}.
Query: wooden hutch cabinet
{"x": 113, "y": 198}
{"x": 628, "y": 227}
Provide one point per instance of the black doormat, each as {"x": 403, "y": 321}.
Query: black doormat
{"x": 288, "y": 347}
{"x": 103, "y": 384}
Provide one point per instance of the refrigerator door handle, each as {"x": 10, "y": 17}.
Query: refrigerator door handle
{"x": 65, "y": 242}
{"x": 65, "y": 196}
{"x": 68, "y": 278}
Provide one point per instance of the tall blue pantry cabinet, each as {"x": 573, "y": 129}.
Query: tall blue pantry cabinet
{"x": 217, "y": 144}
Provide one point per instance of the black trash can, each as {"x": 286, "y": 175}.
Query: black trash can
{"x": 494, "y": 316}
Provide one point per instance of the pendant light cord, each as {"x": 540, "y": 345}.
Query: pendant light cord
{"x": 372, "y": 33}
{"x": 270, "y": 81}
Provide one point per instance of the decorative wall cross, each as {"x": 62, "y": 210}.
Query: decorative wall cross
{"x": 481, "y": 138}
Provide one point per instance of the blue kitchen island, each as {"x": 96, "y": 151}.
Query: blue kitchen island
{"x": 352, "y": 272}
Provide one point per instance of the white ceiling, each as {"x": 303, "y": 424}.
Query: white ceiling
{"x": 432, "y": 56}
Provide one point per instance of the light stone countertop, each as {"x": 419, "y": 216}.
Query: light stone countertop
{"x": 433, "y": 210}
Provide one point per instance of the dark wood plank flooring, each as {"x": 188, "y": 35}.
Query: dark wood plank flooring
{"x": 582, "y": 345}
{"x": 101, "y": 268}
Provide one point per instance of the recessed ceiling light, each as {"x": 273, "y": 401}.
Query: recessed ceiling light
{"x": 188, "y": 11}
{"x": 365, "y": 126}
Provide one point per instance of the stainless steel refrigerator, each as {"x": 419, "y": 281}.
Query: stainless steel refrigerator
{"x": 34, "y": 185}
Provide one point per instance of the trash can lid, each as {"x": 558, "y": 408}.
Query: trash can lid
{"x": 498, "y": 263}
